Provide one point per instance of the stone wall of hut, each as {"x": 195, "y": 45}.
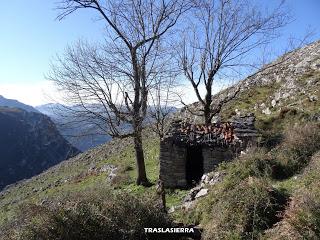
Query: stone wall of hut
{"x": 212, "y": 157}
{"x": 174, "y": 149}
{"x": 172, "y": 164}
{"x": 173, "y": 160}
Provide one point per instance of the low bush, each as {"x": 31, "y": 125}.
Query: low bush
{"x": 270, "y": 139}
{"x": 255, "y": 163}
{"x": 244, "y": 203}
{"x": 93, "y": 216}
{"x": 243, "y": 212}
{"x": 299, "y": 144}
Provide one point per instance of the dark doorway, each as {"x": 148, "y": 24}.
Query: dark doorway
{"x": 194, "y": 165}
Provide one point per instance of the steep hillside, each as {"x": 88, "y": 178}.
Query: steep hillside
{"x": 292, "y": 82}
{"x": 29, "y": 144}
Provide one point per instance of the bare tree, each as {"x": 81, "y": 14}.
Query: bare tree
{"x": 110, "y": 82}
{"x": 162, "y": 102}
{"x": 225, "y": 33}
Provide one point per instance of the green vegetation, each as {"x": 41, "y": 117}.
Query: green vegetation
{"x": 251, "y": 199}
{"x": 81, "y": 175}
{"x": 242, "y": 212}
{"x": 301, "y": 220}
{"x": 299, "y": 144}
{"x": 247, "y": 99}
{"x": 99, "y": 214}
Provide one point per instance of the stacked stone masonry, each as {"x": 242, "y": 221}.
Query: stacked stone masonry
{"x": 218, "y": 147}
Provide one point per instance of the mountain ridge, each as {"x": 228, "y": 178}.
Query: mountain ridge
{"x": 5, "y": 102}
{"x": 290, "y": 81}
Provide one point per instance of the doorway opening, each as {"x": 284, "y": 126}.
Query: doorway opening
{"x": 194, "y": 165}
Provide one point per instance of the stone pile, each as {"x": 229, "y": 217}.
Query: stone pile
{"x": 201, "y": 189}
{"x": 110, "y": 169}
{"x": 244, "y": 126}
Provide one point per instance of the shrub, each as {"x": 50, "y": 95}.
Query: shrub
{"x": 244, "y": 211}
{"x": 270, "y": 139}
{"x": 287, "y": 111}
{"x": 93, "y": 216}
{"x": 244, "y": 203}
{"x": 299, "y": 144}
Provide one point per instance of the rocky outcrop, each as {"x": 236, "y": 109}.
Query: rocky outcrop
{"x": 29, "y": 144}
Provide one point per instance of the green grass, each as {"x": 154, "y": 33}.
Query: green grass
{"x": 72, "y": 177}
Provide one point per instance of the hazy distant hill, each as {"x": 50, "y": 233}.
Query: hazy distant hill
{"x": 29, "y": 144}
{"x": 83, "y": 135}
{"x": 5, "y": 102}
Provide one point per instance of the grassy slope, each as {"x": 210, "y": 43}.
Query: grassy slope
{"x": 74, "y": 176}
{"x": 246, "y": 101}
{"x": 289, "y": 114}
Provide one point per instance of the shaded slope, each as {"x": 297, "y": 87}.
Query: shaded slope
{"x": 29, "y": 144}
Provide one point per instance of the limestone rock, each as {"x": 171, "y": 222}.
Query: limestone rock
{"x": 313, "y": 98}
{"x": 188, "y": 205}
{"x": 202, "y": 193}
{"x": 266, "y": 111}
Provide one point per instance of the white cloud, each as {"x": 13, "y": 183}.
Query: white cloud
{"x": 29, "y": 93}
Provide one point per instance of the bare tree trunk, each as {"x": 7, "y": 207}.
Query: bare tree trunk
{"x": 206, "y": 108}
{"x": 141, "y": 171}
{"x": 207, "y": 114}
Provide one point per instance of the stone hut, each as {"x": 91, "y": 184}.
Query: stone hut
{"x": 188, "y": 150}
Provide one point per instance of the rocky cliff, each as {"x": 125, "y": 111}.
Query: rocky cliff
{"x": 29, "y": 143}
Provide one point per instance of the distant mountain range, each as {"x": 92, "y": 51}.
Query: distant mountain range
{"x": 5, "y": 102}
{"x": 82, "y": 135}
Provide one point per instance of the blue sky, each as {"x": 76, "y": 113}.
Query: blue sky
{"x": 30, "y": 36}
